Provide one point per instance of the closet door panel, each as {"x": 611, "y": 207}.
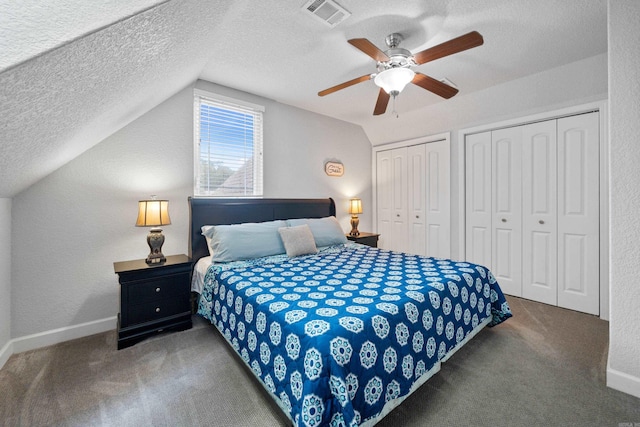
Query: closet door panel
{"x": 399, "y": 229}
{"x": 539, "y": 212}
{"x": 578, "y": 213}
{"x": 383, "y": 197}
{"x": 417, "y": 200}
{"x": 506, "y": 196}
{"x": 438, "y": 204}
{"x": 478, "y": 198}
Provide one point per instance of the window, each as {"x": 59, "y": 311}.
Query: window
{"x": 228, "y": 147}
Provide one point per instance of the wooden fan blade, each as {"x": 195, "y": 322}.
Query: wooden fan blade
{"x": 370, "y": 49}
{"x": 381, "y": 103}
{"x": 345, "y": 84}
{"x": 433, "y": 85}
{"x": 467, "y": 41}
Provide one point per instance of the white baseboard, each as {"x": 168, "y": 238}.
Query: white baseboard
{"x": 55, "y": 336}
{"x": 623, "y": 382}
{"x": 6, "y": 353}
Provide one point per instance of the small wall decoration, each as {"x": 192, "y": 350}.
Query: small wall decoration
{"x": 334, "y": 168}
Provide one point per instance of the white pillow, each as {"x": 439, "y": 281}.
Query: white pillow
{"x": 326, "y": 231}
{"x": 298, "y": 240}
{"x": 245, "y": 241}
{"x": 205, "y": 232}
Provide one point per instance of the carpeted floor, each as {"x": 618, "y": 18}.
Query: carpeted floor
{"x": 543, "y": 367}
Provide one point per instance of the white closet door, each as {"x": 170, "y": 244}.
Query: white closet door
{"x": 438, "y": 203}
{"x": 416, "y": 201}
{"x": 506, "y": 151}
{"x": 539, "y": 212}
{"x": 383, "y": 197}
{"x": 399, "y": 206}
{"x": 578, "y": 213}
{"x": 478, "y": 198}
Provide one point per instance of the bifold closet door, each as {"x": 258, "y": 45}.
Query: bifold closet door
{"x": 494, "y": 204}
{"x": 399, "y": 206}
{"x": 383, "y": 197}
{"x": 478, "y": 198}
{"x": 413, "y": 198}
{"x": 429, "y": 199}
{"x": 416, "y": 164}
{"x": 506, "y": 216}
{"x": 539, "y": 212}
{"x": 391, "y": 187}
{"x": 438, "y": 199}
{"x": 579, "y": 213}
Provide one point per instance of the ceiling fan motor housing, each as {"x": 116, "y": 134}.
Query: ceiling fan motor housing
{"x": 398, "y": 57}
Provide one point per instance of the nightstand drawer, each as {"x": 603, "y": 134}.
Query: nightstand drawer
{"x": 158, "y": 310}
{"x": 160, "y": 288}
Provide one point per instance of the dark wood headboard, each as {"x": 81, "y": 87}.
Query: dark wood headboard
{"x": 203, "y": 211}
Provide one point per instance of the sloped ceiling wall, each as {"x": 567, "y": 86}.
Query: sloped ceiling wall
{"x": 56, "y": 106}
{"x": 73, "y": 72}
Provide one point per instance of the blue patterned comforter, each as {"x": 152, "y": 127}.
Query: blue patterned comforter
{"x": 342, "y": 337}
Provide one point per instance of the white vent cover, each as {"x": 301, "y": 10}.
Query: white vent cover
{"x": 327, "y": 11}
{"x": 448, "y": 82}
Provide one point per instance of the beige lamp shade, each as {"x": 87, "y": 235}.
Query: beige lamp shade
{"x": 153, "y": 213}
{"x": 355, "y": 206}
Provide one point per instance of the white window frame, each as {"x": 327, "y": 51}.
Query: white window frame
{"x": 255, "y": 110}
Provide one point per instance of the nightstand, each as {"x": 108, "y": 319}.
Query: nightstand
{"x": 153, "y": 298}
{"x": 369, "y": 239}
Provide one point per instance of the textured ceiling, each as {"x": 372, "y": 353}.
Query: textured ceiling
{"x": 57, "y": 105}
{"x": 73, "y": 72}
{"x": 294, "y": 56}
{"x": 29, "y": 28}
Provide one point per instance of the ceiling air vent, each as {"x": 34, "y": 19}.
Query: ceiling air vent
{"x": 327, "y": 11}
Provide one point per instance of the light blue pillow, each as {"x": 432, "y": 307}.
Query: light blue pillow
{"x": 245, "y": 241}
{"x": 326, "y": 231}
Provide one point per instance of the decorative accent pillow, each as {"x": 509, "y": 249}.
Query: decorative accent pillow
{"x": 326, "y": 231}
{"x": 298, "y": 240}
{"x": 245, "y": 241}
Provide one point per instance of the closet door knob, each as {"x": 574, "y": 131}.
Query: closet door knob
{"x": 541, "y": 222}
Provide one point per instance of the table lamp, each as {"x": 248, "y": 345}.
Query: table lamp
{"x": 154, "y": 213}
{"x": 355, "y": 208}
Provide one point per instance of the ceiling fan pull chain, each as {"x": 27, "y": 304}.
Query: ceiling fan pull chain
{"x": 394, "y": 108}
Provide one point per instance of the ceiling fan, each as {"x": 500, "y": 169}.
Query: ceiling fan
{"x": 394, "y": 67}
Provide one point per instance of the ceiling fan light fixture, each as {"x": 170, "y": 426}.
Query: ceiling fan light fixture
{"x": 394, "y": 80}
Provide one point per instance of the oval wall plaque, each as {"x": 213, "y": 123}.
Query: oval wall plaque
{"x": 334, "y": 169}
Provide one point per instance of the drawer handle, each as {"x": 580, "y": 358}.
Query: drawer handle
{"x": 504, "y": 220}
{"x": 541, "y": 222}
{"x": 157, "y": 309}
{"x": 417, "y": 216}
{"x": 157, "y": 289}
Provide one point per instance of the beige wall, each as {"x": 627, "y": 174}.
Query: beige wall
{"x": 623, "y": 371}
{"x": 70, "y": 227}
{"x": 5, "y": 276}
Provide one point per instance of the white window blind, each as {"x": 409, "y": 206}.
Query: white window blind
{"x": 228, "y": 147}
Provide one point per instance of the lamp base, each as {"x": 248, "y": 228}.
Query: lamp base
{"x": 354, "y": 226}
{"x": 155, "y": 239}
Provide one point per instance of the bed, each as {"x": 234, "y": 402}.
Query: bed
{"x": 343, "y": 335}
